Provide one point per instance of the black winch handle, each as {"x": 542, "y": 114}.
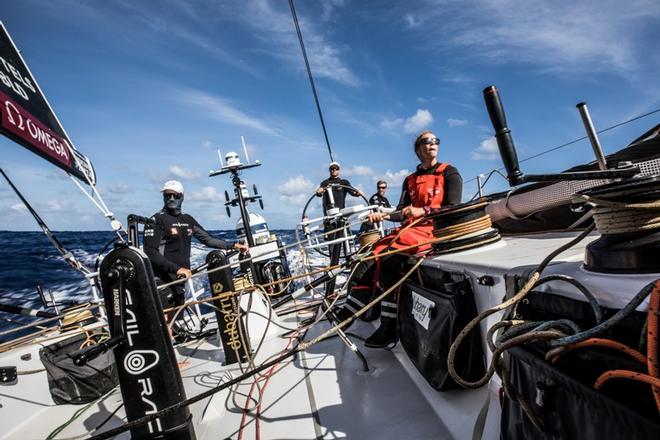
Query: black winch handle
{"x": 503, "y": 136}
{"x": 83, "y": 356}
{"x": 205, "y": 266}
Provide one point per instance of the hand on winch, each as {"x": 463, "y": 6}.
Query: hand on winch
{"x": 184, "y": 272}
{"x": 241, "y": 247}
{"x": 413, "y": 212}
{"x": 377, "y": 217}
{"x": 408, "y": 212}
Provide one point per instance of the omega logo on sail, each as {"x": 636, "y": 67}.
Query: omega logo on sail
{"x": 20, "y": 122}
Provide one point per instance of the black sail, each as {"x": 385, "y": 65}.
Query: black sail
{"x": 27, "y": 118}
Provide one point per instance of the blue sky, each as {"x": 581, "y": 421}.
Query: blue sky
{"x": 149, "y": 89}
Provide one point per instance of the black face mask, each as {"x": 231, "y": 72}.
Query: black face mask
{"x": 172, "y": 204}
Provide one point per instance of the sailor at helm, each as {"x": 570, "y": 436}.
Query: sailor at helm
{"x": 338, "y": 192}
{"x": 167, "y": 242}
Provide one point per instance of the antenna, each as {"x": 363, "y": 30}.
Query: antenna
{"x": 247, "y": 159}
{"x": 220, "y": 157}
{"x": 593, "y": 136}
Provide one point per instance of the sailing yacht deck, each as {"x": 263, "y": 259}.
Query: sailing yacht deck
{"x": 322, "y": 393}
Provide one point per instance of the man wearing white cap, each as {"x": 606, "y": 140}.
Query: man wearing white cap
{"x": 167, "y": 242}
{"x": 338, "y": 192}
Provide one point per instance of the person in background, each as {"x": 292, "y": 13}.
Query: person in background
{"x": 338, "y": 192}
{"x": 334, "y": 190}
{"x": 432, "y": 186}
{"x": 167, "y": 243}
{"x": 377, "y": 199}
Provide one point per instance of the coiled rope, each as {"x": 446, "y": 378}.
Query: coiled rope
{"x": 505, "y": 305}
{"x": 613, "y": 217}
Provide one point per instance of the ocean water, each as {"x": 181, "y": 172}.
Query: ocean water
{"x": 28, "y": 259}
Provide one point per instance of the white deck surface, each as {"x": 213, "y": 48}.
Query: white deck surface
{"x": 322, "y": 393}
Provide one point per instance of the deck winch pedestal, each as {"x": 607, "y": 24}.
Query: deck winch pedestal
{"x": 227, "y": 310}
{"x": 147, "y": 367}
{"x": 629, "y": 224}
{"x": 462, "y": 227}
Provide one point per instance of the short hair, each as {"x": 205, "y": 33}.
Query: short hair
{"x": 379, "y": 182}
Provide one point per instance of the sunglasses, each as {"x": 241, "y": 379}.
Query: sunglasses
{"x": 429, "y": 141}
{"x": 172, "y": 196}
{"x": 334, "y": 168}
{"x": 382, "y": 187}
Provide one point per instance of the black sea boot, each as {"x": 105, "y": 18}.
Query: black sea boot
{"x": 359, "y": 293}
{"x": 386, "y": 334}
{"x": 356, "y": 300}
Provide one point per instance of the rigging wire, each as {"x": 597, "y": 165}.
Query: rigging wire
{"x": 612, "y": 127}
{"x": 66, "y": 254}
{"x": 311, "y": 78}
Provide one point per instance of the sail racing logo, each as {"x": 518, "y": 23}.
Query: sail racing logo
{"x": 138, "y": 362}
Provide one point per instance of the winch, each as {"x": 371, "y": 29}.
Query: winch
{"x": 627, "y": 214}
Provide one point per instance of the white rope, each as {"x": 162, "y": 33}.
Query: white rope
{"x": 613, "y": 217}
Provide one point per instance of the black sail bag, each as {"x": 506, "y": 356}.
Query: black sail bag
{"x": 430, "y": 318}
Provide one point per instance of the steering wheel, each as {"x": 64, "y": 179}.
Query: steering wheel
{"x": 335, "y": 185}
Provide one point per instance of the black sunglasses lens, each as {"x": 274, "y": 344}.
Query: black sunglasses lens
{"x": 171, "y": 196}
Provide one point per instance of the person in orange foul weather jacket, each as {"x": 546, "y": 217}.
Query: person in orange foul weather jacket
{"x": 432, "y": 186}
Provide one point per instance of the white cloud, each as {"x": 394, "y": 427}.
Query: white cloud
{"x": 487, "y": 150}
{"x": 358, "y": 170}
{"x": 296, "y": 200}
{"x": 392, "y": 124}
{"x": 187, "y": 25}
{"x": 420, "y": 120}
{"x": 296, "y": 190}
{"x": 184, "y": 173}
{"x": 275, "y": 28}
{"x": 18, "y": 207}
{"x": 207, "y": 194}
{"x": 410, "y": 21}
{"x": 393, "y": 178}
{"x": 296, "y": 185}
{"x": 329, "y": 7}
{"x": 207, "y": 145}
{"x": 57, "y": 206}
{"x": 557, "y": 36}
{"x": 456, "y": 122}
{"x": 222, "y": 110}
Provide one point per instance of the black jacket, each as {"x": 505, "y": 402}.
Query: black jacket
{"x": 380, "y": 201}
{"x": 338, "y": 193}
{"x": 167, "y": 242}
